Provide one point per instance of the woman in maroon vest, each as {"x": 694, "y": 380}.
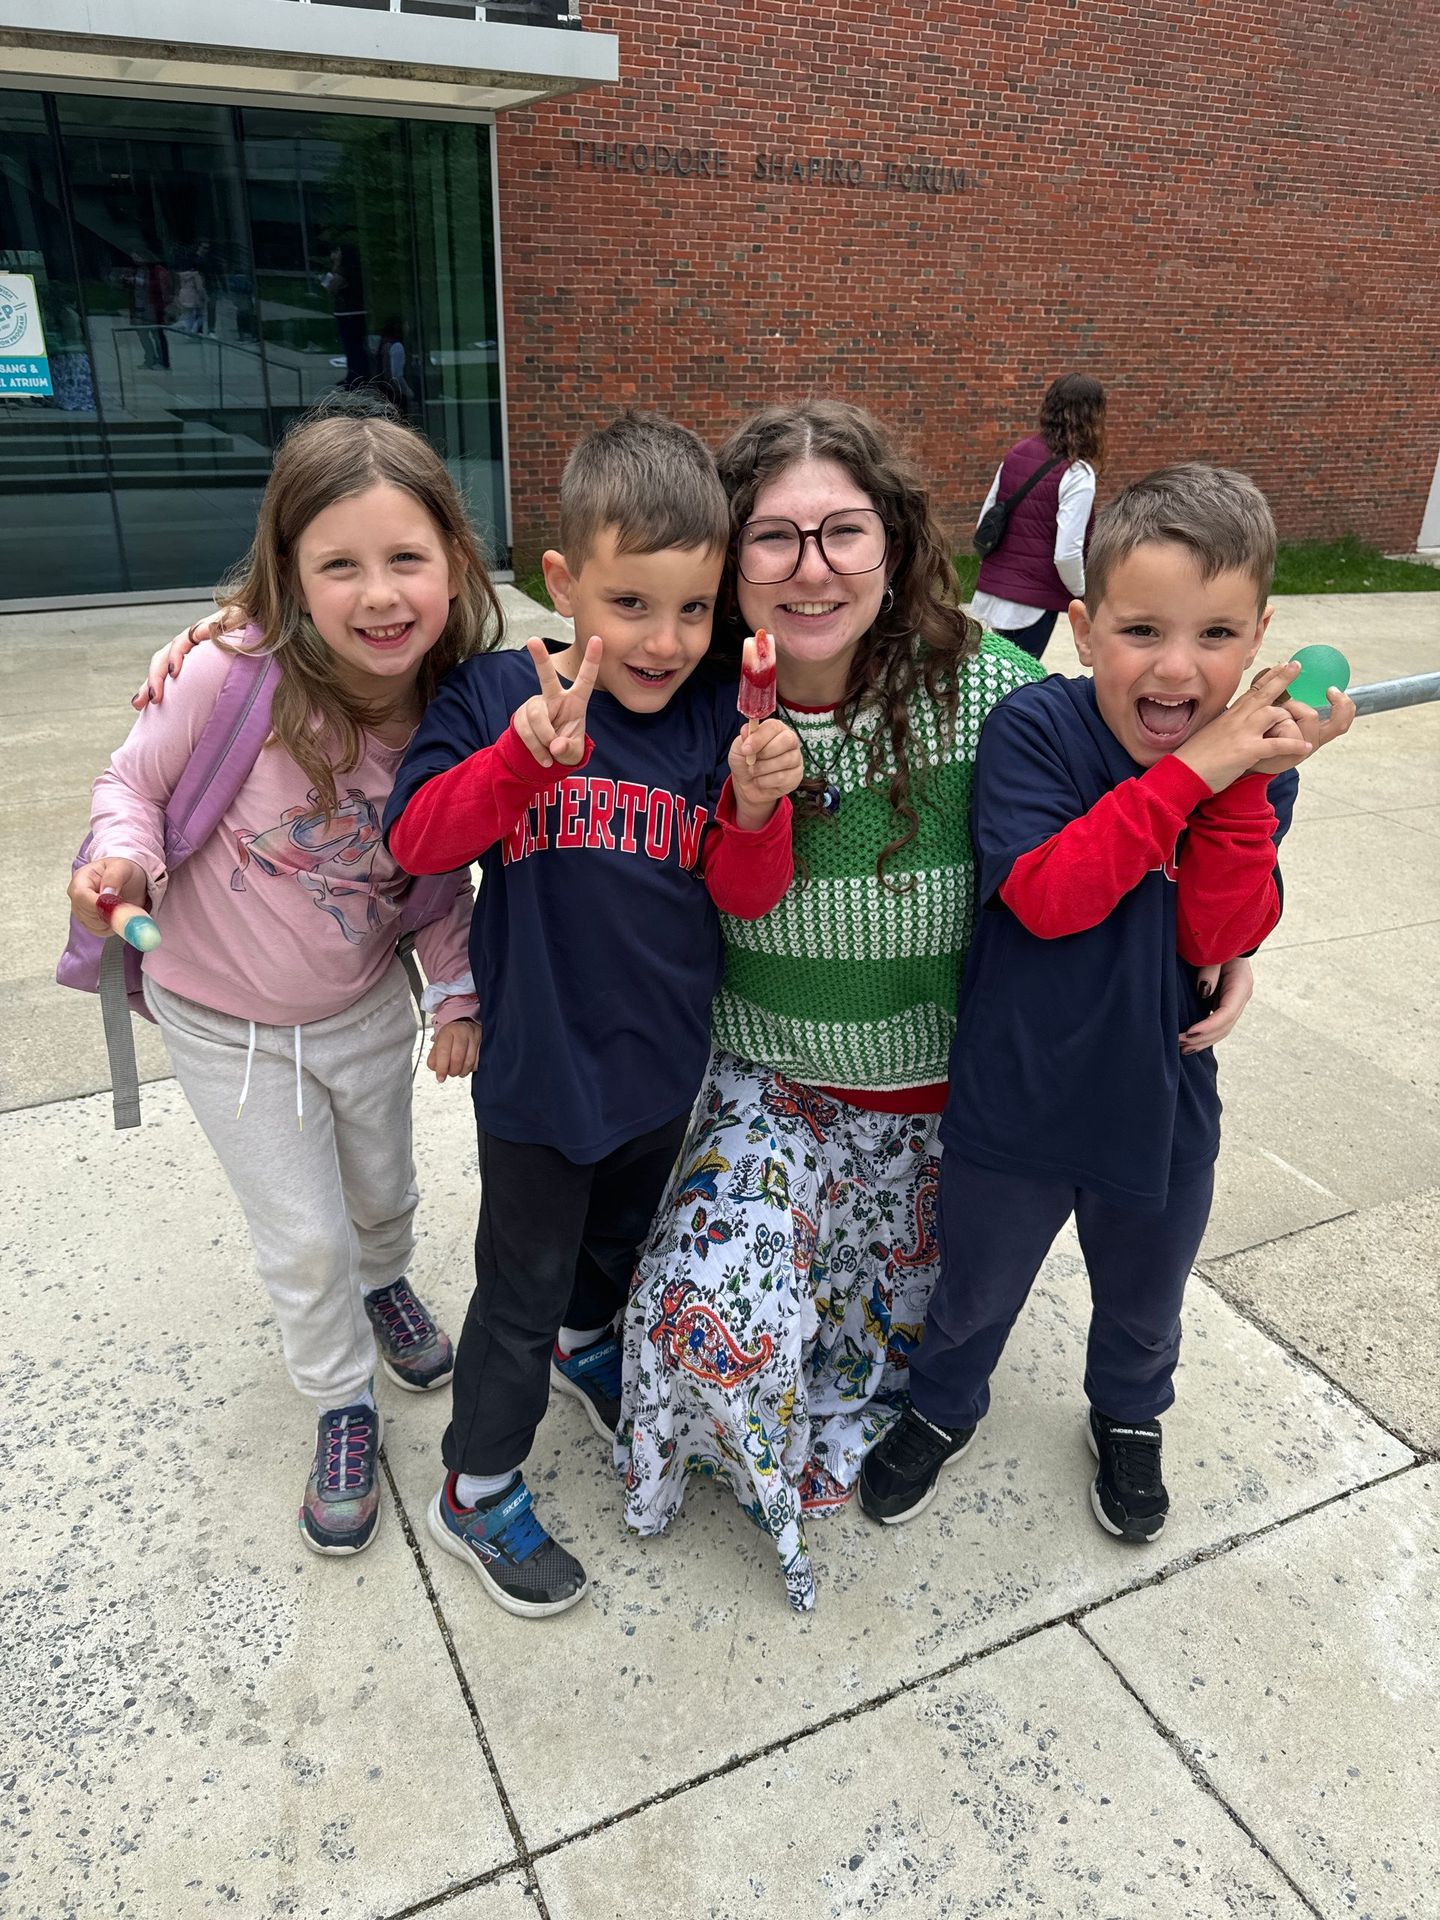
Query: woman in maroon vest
{"x": 1039, "y": 566}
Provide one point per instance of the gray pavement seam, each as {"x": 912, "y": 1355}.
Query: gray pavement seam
{"x": 1339, "y": 939}
{"x": 522, "y": 1852}
{"x": 1278, "y": 1337}
{"x": 1198, "y": 1774}
{"x": 1273, "y": 1239}
{"x": 861, "y": 1708}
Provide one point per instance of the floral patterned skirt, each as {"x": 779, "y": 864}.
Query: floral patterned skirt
{"x": 776, "y": 1305}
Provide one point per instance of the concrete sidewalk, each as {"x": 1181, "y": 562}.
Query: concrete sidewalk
{"x": 996, "y": 1710}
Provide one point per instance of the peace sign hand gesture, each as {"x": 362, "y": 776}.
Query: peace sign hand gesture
{"x": 552, "y": 722}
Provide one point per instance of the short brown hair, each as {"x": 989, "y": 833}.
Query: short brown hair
{"x": 650, "y": 479}
{"x": 1221, "y": 516}
{"x": 347, "y": 445}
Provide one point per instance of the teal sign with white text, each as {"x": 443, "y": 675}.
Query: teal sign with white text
{"x": 24, "y": 367}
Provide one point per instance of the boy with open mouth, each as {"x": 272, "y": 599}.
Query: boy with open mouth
{"x": 1126, "y": 828}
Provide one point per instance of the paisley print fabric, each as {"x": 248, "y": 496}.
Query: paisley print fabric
{"x": 775, "y": 1308}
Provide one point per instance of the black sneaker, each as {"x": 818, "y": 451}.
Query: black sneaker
{"x": 1128, "y": 1496}
{"x": 502, "y": 1542}
{"x": 899, "y": 1478}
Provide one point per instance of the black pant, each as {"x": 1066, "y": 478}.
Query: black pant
{"x": 556, "y": 1246}
{"x": 995, "y": 1231}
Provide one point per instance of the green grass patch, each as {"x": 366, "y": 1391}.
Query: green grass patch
{"x": 1349, "y": 566}
{"x": 533, "y": 584}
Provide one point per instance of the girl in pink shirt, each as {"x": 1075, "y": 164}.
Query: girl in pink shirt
{"x": 277, "y": 988}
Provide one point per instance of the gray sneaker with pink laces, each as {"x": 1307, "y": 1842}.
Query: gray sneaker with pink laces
{"x": 342, "y": 1495}
{"x": 414, "y": 1350}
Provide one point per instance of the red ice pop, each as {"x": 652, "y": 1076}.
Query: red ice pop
{"x": 756, "y": 699}
{"x": 132, "y": 924}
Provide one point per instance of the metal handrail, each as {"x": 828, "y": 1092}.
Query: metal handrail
{"x": 208, "y": 340}
{"x": 1384, "y": 696}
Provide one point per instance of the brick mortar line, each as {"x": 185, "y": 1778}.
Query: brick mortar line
{"x": 1198, "y": 1774}
{"x": 523, "y": 1857}
{"x": 1279, "y": 1338}
{"x": 1200, "y": 1557}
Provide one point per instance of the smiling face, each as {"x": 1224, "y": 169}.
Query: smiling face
{"x": 818, "y": 617}
{"x": 654, "y": 611}
{"x": 1166, "y": 647}
{"x": 376, "y": 576}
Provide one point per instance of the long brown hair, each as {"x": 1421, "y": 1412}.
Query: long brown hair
{"x": 922, "y": 636}
{"x": 1072, "y": 418}
{"x": 342, "y": 449}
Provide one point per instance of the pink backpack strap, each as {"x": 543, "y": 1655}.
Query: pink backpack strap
{"x": 228, "y": 747}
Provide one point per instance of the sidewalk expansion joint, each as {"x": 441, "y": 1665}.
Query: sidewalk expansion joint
{"x": 1278, "y": 1337}
{"x": 737, "y": 1761}
{"x": 1200, "y": 1777}
{"x": 522, "y": 1858}
{"x": 1337, "y": 939}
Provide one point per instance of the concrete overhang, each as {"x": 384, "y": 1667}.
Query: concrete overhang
{"x": 320, "y": 56}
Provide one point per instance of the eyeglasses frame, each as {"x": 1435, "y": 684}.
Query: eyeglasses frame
{"x": 815, "y": 534}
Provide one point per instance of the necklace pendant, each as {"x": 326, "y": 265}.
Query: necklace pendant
{"x": 830, "y": 798}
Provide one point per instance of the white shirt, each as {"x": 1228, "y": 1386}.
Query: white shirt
{"x": 1072, "y": 516}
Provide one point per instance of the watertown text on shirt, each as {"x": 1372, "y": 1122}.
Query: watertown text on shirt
{"x": 909, "y": 175}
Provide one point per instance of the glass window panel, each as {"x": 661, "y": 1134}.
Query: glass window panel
{"x": 460, "y": 381}
{"x": 328, "y": 194}
{"x": 163, "y": 250}
{"x": 57, "y": 524}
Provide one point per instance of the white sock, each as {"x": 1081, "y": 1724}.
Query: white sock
{"x": 472, "y": 1488}
{"x": 570, "y": 1341}
{"x": 365, "y": 1399}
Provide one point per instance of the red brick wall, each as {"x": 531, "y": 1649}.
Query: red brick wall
{"x": 1229, "y": 212}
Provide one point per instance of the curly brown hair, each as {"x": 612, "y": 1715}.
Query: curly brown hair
{"x": 922, "y": 636}
{"x": 345, "y": 447}
{"x": 1072, "y": 418}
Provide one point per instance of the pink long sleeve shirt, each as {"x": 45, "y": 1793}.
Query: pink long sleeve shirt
{"x": 283, "y": 916}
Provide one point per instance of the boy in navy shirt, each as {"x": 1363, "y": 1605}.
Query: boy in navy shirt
{"x": 595, "y": 946}
{"x": 1126, "y": 828}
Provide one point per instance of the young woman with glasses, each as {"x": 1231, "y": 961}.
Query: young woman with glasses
{"x": 787, "y": 1275}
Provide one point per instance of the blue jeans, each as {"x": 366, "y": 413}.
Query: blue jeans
{"x": 1034, "y": 638}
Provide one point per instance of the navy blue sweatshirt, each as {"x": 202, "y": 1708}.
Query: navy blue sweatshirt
{"x": 595, "y": 942}
{"x": 1066, "y": 1062}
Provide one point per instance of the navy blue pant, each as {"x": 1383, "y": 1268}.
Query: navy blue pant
{"x": 1032, "y": 639}
{"x": 995, "y": 1231}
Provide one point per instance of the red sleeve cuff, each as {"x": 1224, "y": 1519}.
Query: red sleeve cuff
{"x": 1247, "y": 798}
{"x": 520, "y": 762}
{"x": 1175, "y": 784}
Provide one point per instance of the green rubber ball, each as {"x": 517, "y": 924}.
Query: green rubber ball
{"x": 1320, "y": 669}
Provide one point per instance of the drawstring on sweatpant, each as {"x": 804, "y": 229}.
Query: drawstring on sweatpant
{"x": 249, "y": 1062}
{"x": 299, "y": 1079}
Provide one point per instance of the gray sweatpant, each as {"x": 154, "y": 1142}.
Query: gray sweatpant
{"x": 331, "y": 1203}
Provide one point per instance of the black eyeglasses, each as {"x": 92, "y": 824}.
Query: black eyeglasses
{"x": 851, "y": 541}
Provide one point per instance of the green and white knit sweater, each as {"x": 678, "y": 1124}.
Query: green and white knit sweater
{"x": 848, "y": 983}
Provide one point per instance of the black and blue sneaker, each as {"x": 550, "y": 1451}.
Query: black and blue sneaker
{"x": 504, "y": 1545}
{"x": 592, "y": 1376}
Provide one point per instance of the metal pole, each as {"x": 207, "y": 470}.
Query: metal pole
{"x": 1383, "y": 696}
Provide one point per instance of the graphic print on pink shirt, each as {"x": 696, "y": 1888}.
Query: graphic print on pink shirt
{"x": 332, "y": 855}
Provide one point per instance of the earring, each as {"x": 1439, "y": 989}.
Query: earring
{"x": 887, "y": 599}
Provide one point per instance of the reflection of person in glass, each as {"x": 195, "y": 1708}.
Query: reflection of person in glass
{"x": 345, "y": 284}
{"x": 149, "y": 286}
{"x": 391, "y": 360}
{"x": 190, "y": 296}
